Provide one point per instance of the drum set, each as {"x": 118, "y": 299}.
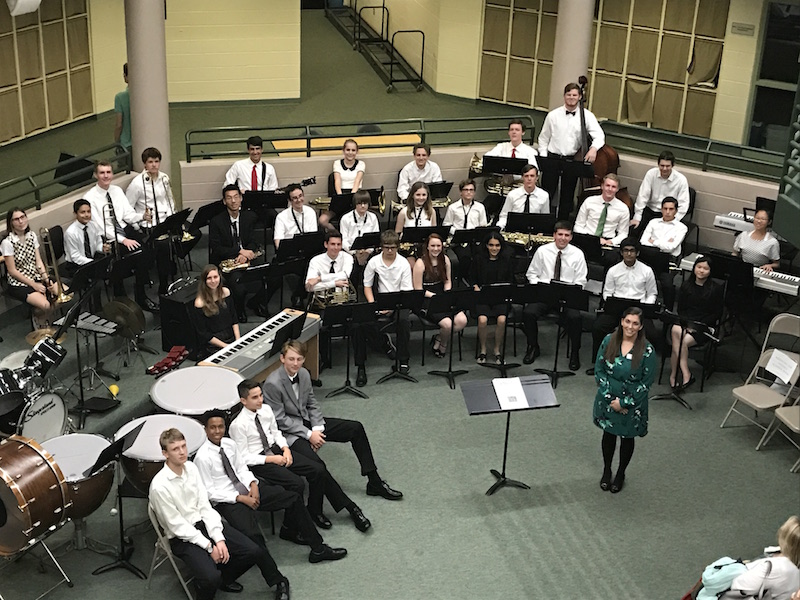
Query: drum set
{"x": 27, "y": 407}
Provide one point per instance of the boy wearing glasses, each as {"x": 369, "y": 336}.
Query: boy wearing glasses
{"x": 384, "y": 273}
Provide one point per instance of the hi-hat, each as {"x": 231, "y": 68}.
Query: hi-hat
{"x": 39, "y": 334}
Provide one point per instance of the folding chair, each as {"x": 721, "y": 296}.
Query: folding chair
{"x": 789, "y": 416}
{"x": 762, "y": 394}
{"x": 783, "y": 324}
{"x": 162, "y": 552}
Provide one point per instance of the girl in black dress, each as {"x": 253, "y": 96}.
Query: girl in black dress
{"x": 700, "y": 300}
{"x": 213, "y": 315}
{"x": 491, "y": 265}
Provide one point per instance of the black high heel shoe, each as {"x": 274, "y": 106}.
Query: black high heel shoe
{"x": 605, "y": 481}
{"x": 619, "y": 482}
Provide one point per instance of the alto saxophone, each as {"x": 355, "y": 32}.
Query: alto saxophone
{"x": 229, "y": 264}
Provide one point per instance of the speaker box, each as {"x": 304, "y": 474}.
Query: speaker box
{"x": 176, "y": 324}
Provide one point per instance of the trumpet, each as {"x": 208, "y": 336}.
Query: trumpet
{"x": 61, "y": 296}
{"x": 229, "y": 264}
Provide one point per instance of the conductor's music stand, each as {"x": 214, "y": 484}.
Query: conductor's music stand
{"x": 669, "y": 319}
{"x": 566, "y": 296}
{"x": 397, "y": 301}
{"x": 491, "y": 295}
{"x": 345, "y": 315}
{"x": 481, "y": 399}
{"x": 451, "y": 302}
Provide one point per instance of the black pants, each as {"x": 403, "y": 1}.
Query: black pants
{"x": 138, "y": 261}
{"x": 666, "y": 281}
{"x": 345, "y": 430}
{"x": 244, "y": 553}
{"x": 240, "y": 289}
{"x": 648, "y": 214}
{"x": 572, "y": 320}
{"x": 566, "y": 199}
{"x": 363, "y": 333}
{"x": 605, "y": 324}
{"x": 273, "y": 497}
{"x": 301, "y": 448}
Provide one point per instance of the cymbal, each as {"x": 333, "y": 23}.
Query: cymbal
{"x": 37, "y": 335}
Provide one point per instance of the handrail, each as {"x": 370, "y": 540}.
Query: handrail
{"x": 121, "y": 158}
{"x": 421, "y": 60}
{"x": 384, "y": 22}
{"x": 426, "y": 129}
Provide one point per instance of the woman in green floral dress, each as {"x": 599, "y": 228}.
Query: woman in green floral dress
{"x": 624, "y": 370}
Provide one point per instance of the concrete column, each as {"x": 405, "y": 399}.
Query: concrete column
{"x": 147, "y": 79}
{"x": 573, "y": 39}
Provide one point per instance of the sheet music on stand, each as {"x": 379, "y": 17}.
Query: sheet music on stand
{"x": 509, "y": 393}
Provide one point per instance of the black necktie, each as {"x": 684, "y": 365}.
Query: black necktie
{"x": 113, "y": 215}
{"x": 571, "y": 113}
{"x": 293, "y": 380}
{"x": 527, "y": 203}
{"x": 226, "y": 465}
{"x": 262, "y": 435}
{"x": 235, "y": 233}
{"x": 333, "y": 267}
{"x": 557, "y": 268}
{"x": 87, "y": 245}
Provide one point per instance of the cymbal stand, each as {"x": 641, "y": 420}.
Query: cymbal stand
{"x": 64, "y": 577}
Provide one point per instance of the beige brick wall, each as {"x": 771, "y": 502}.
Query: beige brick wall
{"x": 738, "y": 71}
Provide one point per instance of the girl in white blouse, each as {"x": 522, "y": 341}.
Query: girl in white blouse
{"x": 418, "y": 213}
{"x": 759, "y": 247}
{"x": 349, "y": 170}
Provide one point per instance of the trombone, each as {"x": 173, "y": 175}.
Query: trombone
{"x": 61, "y": 296}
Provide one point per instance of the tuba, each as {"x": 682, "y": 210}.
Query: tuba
{"x": 61, "y": 296}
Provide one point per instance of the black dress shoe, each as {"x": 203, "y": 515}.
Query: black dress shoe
{"x": 234, "y": 587}
{"x": 262, "y": 311}
{"x": 616, "y": 486}
{"x": 362, "y": 522}
{"x": 687, "y": 384}
{"x": 148, "y": 305}
{"x": 292, "y": 536}
{"x": 605, "y": 481}
{"x": 361, "y": 378}
{"x": 404, "y": 369}
{"x": 242, "y": 316}
{"x": 326, "y": 553}
{"x": 531, "y": 354}
{"x": 282, "y": 590}
{"x": 574, "y": 362}
{"x": 383, "y": 490}
{"x": 321, "y": 521}
{"x": 388, "y": 346}
{"x": 590, "y": 371}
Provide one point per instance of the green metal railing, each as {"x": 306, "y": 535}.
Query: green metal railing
{"x": 34, "y": 189}
{"x": 221, "y": 142}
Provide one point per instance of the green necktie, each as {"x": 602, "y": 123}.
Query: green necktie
{"x": 601, "y": 224}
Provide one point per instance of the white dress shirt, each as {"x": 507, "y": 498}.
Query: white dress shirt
{"x": 180, "y": 501}
{"x": 515, "y": 202}
{"x": 241, "y": 173}
{"x": 140, "y": 194}
{"x": 561, "y": 132}
{"x": 459, "y": 216}
{"x": 248, "y": 441}
{"x": 757, "y": 252}
{"x": 634, "y": 283}
{"x": 289, "y": 223}
{"x": 420, "y": 218}
{"x": 320, "y": 266}
{"x": 348, "y": 176}
{"x": 655, "y": 188}
{"x": 351, "y": 226}
{"x": 667, "y": 236}
{"x": 391, "y": 278}
{"x": 573, "y": 265}
{"x": 219, "y": 486}
{"x": 617, "y": 218}
{"x": 503, "y": 150}
{"x": 73, "y": 243}
{"x": 783, "y": 579}
{"x": 101, "y": 216}
{"x": 410, "y": 174}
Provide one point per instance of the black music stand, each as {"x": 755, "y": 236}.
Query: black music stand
{"x": 669, "y": 319}
{"x": 472, "y": 237}
{"x": 566, "y": 296}
{"x": 205, "y": 213}
{"x": 616, "y": 306}
{"x": 367, "y": 241}
{"x": 654, "y": 258}
{"x": 262, "y": 202}
{"x": 419, "y": 235}
{"x": 397, "y": 301}
{"x": 114, "y": 452}
{"x": 345, "y": 315}
{"x": 440, "y": 189}
{"x": 481, "y": 399}
{"x": 500, "y": 293}
{"x": 498, "y": 165}
{"x": 171, "y": 226}
{"x": 341, "y": 204}
{"x": 590, "y": 245}
{"x": 451, "y": 302}
{"x": 739, "y": 279}
{"x": 97, "y": 270}
{"x": 302, "y": 245}
{"x": 563, "y": 166}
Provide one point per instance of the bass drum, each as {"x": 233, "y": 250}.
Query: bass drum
{"x": 33, "y": 494}
{"x": 74, "y": 454}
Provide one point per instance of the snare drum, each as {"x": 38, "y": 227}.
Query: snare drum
{"x": 144, "y": 459}
{"x": 46, "y": 355}
{"x": 11, "y": 395}
{"x": 194, "y": 390}
{"x": 44, "y": 417}
{"x": 74, "y": 454}
{"x": 33, "y": 494}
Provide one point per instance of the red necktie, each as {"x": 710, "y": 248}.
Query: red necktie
{"x": 254, "y": 179}
{"x": 513, "y": 153}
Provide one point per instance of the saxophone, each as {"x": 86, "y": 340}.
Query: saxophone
{"x": 229, "y": 264}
